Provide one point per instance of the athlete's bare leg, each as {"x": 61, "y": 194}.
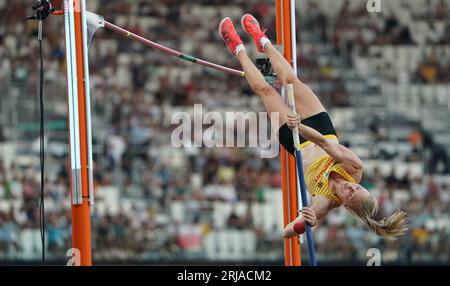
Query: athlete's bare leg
{"x": 307, "y": 103}
{"x": 269, "y": 96}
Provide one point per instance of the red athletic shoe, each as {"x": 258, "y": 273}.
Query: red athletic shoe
{"x": 229, "y": 35}
{"x": 251, "y": 27}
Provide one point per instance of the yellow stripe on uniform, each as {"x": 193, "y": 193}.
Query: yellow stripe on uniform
{"x": 304, "y": 144}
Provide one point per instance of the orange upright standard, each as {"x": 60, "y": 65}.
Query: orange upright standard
{"x": 79, "y": 120}
{"x": 285, "y": 27}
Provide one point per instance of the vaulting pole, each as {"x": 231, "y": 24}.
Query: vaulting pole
{"x": 302, "y": 184}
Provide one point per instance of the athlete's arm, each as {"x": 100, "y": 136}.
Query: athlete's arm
{"x": 318, "y": 210}
{"x": 338, "y": 152}
{"x": 321, "y": 206}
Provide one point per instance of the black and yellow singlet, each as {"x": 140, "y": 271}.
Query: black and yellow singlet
{"x": 318, "y": 174}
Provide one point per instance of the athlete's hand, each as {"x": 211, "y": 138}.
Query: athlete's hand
{"x": 309, "y": 215}
{"x": 293, "y": 121}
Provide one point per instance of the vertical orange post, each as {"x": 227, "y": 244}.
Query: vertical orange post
{"x": 288, "y": 166}
{"x": 81, "y": 220}
{"x": 77, "y": 117}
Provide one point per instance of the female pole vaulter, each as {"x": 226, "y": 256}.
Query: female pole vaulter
{"x": 332, "y": 171}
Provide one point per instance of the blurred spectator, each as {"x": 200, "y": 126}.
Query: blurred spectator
{"x": 428, "y": 71}
{"x": 115, "y": 148}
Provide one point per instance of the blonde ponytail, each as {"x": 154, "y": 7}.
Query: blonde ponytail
{"x": 392, "y": 227}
